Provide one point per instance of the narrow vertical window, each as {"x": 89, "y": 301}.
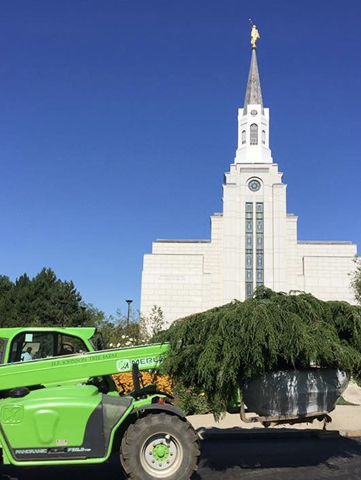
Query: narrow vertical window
{"x": 243, "y": 137}
{"x": 249, "y": 249}
{"x": 263, "y": 137}
{"x": 253, "y": 134}
{"x": 259, "y": 244}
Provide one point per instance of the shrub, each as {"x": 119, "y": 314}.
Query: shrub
{"x": 190, "y": 400}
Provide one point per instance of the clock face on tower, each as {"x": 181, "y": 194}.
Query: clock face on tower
{"x": 254, "y": 185}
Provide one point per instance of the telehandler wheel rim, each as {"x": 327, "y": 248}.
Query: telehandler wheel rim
{"x": 161, "y": 455}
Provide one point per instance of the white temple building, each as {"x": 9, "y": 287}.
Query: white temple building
{"x": 253, "y": 242}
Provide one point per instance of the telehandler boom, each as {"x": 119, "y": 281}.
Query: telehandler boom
{"x": 63, "y": 408}
{"x": 79, "y": 368}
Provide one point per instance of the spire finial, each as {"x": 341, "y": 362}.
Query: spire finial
{"x": 253, "y": 93}
{"x": 254, "y": 34}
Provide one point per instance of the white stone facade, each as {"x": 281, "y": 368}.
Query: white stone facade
{"x": 254, "y": 241}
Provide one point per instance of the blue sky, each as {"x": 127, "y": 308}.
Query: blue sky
{"x": 118, "y": 119}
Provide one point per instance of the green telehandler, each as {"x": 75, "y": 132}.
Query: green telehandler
{"x": 59, "y": 404}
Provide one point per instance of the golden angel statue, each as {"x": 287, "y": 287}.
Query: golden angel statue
{"x": 254, "y": 36}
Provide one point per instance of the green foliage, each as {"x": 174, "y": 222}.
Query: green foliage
{"x": 5, "y": 285}
{"x": 356, "y": 281}
{"x": 119, "y": 331}
{"x": 151, "y": 326}
{"x": 43, "y": 300}
{"x": 190, "y": 400}
{"x": 46, "y": 300}
{"x": 156, "y": 320}
{"x": 216, "y": 351}
{"x": 342, "y": 401}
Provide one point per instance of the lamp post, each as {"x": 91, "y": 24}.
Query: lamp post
{"x": 128, "y": 302}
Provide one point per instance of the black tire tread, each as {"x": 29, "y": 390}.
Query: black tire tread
{"x": 134, "y": 432}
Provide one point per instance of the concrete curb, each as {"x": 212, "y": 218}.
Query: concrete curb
{"x": 351, "y": 433}
{"x": 216, "y": 434}
{"x": 346, "y": 422}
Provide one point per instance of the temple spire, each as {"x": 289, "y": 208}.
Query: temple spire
{"x": 253, "y": 118}
{"x": 253, "y": 92}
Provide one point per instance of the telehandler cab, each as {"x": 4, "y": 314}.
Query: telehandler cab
{"x": 58, "y": 404}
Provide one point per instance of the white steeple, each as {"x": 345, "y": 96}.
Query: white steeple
{"x": 253, "y": 121}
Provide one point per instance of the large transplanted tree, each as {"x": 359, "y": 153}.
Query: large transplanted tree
{"x": 220, "y": 349}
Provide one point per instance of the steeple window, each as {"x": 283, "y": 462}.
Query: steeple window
{"x": 263, "y": 137}
{"x": 253, "y": 134}
{"x": 243, "y": 137}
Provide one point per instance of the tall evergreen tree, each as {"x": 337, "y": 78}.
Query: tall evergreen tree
{"x": 43, "y": 300}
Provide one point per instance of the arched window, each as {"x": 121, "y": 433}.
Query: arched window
{"x": 253, "y": 137}
{"x": 263, "y": 136}
{"x": 243, "y": 136}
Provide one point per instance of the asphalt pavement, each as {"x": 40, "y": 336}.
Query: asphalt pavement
{"x": 235, "y": 459}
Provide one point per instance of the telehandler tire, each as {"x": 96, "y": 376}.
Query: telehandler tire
{"x": 160, "y": 446}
